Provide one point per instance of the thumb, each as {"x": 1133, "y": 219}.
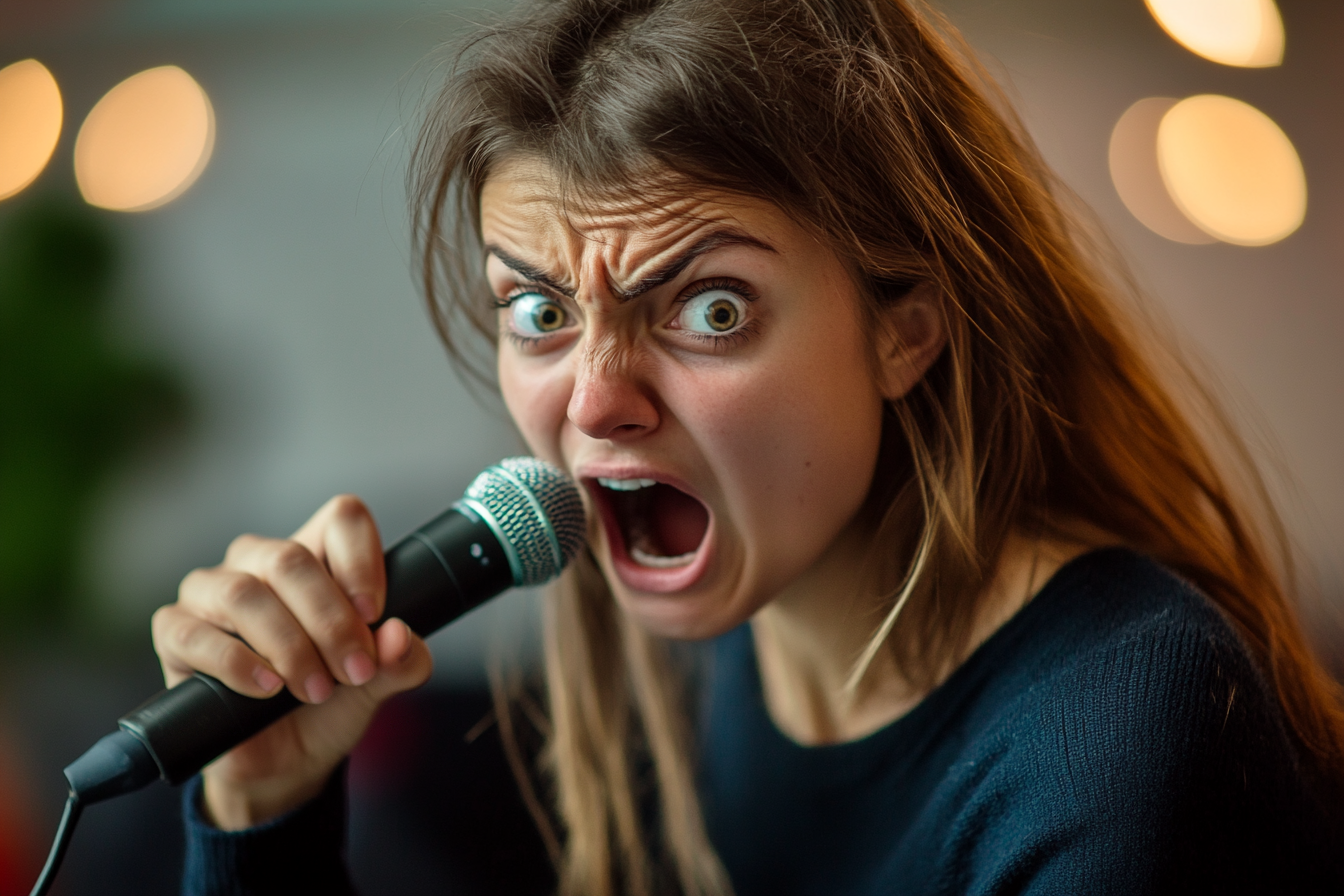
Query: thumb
{"x": 404, "y": 661}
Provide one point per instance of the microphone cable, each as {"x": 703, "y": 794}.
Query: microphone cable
{"x": 519, "y": 524}
{"x": 64, "y": 831}
{"x": 116, "y": 764}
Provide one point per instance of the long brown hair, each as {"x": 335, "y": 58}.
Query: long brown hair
{"x": 869, "y": 123}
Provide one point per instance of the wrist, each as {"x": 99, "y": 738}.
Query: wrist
{"x": 230, "y": 806}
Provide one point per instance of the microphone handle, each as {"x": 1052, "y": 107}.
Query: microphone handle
{"x": 448, "y": 566}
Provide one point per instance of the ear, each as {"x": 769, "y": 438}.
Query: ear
{"x": 913, "y": 335}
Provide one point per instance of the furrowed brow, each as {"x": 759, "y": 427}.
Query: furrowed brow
{"x": 529, "y": 272}
{"x": 674, "y": 268}
{"x": 665, "y": 274}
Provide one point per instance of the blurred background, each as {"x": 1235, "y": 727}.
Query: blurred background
{"x": 209, "y": 325}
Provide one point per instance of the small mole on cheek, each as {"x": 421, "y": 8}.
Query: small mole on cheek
{"x": 807, "y": 463}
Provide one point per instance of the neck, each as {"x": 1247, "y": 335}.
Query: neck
{"x": 809, "y": 638}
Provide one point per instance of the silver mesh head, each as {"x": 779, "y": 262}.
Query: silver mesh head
{"x": 536, "y": 512}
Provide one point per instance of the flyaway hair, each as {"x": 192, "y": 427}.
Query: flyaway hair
{"x": 868, "y": 123}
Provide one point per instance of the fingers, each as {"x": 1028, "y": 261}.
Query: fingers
{"x": 300, "y": 610}
{"x": 285, "y": 604}
{"x": 332, "y": 730}
{"x": 404, "y": 660}
{"x": 345, "y": 537}
{"x": 186, "y": 644}
{"x": 230, "y": 601}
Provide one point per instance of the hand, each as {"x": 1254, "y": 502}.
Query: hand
{"x": 292, "y": 613}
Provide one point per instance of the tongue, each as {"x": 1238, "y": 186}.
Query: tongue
{"x": 678, "y": 521}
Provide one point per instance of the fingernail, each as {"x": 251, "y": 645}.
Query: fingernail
{"x": 365, "y": 607}
{"x": 318, "y": 687}
{"x": 359, "y": 667}
{"x": 266, "y": 679}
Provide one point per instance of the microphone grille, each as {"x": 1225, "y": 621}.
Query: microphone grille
{"x": 536, "y": 511}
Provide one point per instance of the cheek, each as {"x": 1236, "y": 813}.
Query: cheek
{"x": 537, "y": 398}
{"x": 794, "y": 446}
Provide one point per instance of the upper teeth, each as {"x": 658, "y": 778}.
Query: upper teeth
{"x": 626, "y": 485}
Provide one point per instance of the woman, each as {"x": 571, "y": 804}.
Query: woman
{"x": 796, "y": 304}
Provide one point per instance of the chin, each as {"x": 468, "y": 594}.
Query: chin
{"x": 683, "y": 617}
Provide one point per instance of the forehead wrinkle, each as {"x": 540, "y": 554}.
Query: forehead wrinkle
{"x": 526, "y": 220}
{"x": 618, "y": 262}
{"x": 616, "y": 241}
{"x": 673, "y": 269}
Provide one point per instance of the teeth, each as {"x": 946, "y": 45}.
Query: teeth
{"x": 626, "y": 485}
{"x": 646, "y": 559}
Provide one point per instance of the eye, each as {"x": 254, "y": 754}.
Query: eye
{"x": 534, "y": 314}
{"x": 714, "y": 312}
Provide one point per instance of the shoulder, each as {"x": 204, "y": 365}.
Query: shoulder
{"x": 1114, "y": 594}
{"x": 1131, "y": 729}
{"x": 1126, "y": 663}
{"x": 1116, "y": 630}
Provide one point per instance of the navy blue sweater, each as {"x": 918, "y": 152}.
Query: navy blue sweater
{"x": 1113, "y": 737}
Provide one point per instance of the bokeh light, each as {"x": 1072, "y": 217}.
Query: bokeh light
{"x": 145, "y": 142}
{"x": 30, "y": 123}
{"x": 1233, "y": 32}
{"x": 1231, "y": 170}
{"x": 1137, "y": 177}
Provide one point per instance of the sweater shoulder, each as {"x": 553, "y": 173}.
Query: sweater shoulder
{"x": 1120, "y": 625}
{"x": 1131, "y": 688}
{"x": 1137, "y": 724}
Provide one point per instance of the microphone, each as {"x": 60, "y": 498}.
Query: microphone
{"x": 519, "y": 523}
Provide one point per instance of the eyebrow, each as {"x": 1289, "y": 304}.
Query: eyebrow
{"x": 665, "y": 274}
{"x": 529, "y": 272}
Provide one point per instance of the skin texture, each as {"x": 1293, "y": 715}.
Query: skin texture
{"x": 772, "y": 424}
{"x": 776, "y": 430}
{"x": 303, "y": 604}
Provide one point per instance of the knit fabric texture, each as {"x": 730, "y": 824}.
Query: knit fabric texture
{"x": 1114, "y": 736}
{"x": 300, "y": 852}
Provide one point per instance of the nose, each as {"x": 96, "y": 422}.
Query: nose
{"x": 609, "y": 400}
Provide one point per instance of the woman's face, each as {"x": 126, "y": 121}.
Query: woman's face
{"x": 702, "y": 368}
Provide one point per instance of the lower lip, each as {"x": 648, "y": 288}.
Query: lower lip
{"x": 652, "y": 579}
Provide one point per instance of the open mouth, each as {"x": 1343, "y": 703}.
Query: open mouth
{"x": 660, "y": 526}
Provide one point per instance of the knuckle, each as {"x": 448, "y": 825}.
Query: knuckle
{"x": 291, "y": 642}
{"x": 293, "y": 653}
{"x": 287, "y": 558}
{"x": 160, "y": 617}
{"x": 239, "y": 591}
{"x": 184, "y": 639}
{"x": 161, "y": 628}
{"x": 192, "y": 582}
{"x": 235, "y": 659}
{"x": 334, "y": 628}
{"x": 241, "y": 545}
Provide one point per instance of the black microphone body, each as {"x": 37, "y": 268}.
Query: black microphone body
{"x": 519, "y": 523}
{"x": 448, "y": 566}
